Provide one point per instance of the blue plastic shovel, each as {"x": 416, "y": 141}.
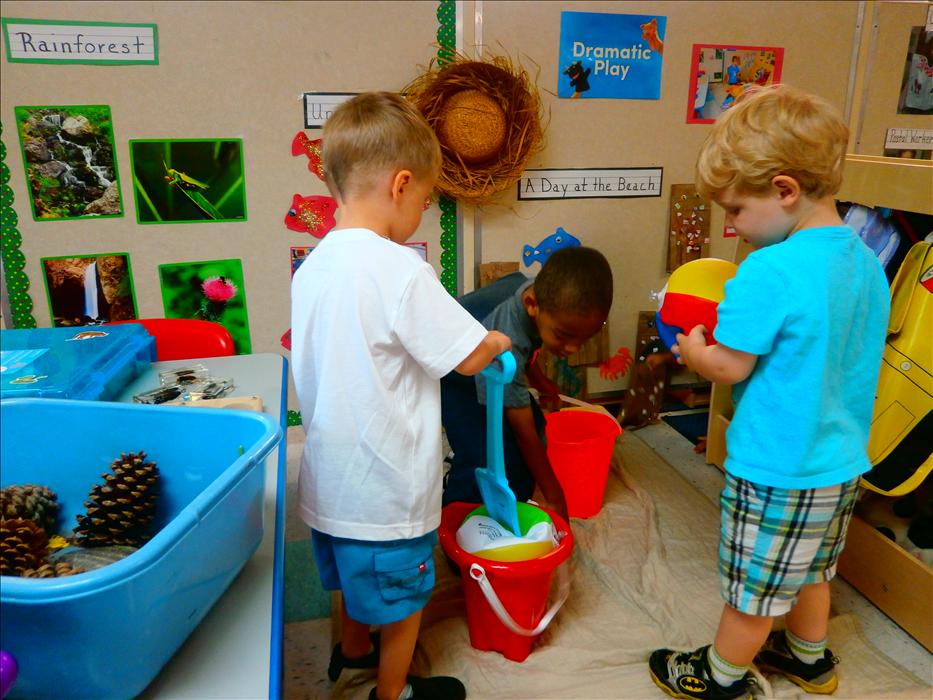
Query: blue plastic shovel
{"x": 498, "y": 498}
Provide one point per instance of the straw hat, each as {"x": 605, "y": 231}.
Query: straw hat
{"x": 486, "y": 115}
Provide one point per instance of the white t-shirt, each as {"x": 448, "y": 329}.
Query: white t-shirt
{"x": 373, "y": 331}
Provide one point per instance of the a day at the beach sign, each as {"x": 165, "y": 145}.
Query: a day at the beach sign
{"x": 610, "y": 55}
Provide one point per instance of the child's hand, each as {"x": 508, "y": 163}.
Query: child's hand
{"x": 687, "y": 344}
{"x": 501, "y": 340}
{"x": 493, "y": 345}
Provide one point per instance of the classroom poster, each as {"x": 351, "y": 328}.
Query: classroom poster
{"x": 89, "y": 290}
{"x": 210, "y": 290}
{"x": 420, "y": 247}
{"x": 916, "y": 95}
{"x": 68, "y": 157}
{"x": 188, "y": 180}
{"x": 298, "y": 255}
{"x": 720, "y": 74}
{"x": 610, "y": 55}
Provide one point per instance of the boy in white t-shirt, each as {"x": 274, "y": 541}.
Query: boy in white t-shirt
{"x": 373, "y": 331}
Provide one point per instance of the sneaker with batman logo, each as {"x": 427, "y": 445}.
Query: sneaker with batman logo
{"x": 686, "y": 674}
{"x": 433, "y": 688}
{"x": 776, "y": 657}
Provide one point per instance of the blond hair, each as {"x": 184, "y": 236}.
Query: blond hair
{"x": 372, "y": 134}
{"x": 777, "y": 130}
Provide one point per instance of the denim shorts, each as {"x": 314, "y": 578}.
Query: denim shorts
{"x": 381, "y": 582}
{"x": 774, "y": 541}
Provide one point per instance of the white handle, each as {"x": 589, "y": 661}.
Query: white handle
{"x": 478, "y": 574}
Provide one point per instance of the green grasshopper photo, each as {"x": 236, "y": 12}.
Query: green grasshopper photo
{"x": 188, "y": 180}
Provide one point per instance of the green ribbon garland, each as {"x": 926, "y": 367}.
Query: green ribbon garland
{"x": 446, "y": 40}
{"x": 14, "y": 261}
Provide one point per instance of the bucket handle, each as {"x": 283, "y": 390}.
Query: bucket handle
{"x": 583, "y": 404}
{"x": 478, "y": 574}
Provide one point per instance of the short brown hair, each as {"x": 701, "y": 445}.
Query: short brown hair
{"x": 576, "y": 280}
{"x": 371, "y": 134}
{"x": 777, "y": 130}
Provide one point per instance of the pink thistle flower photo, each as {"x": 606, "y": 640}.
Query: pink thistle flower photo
{"x": 218, "y": 289}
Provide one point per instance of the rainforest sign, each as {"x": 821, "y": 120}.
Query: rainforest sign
{"x": 100, "y": 43}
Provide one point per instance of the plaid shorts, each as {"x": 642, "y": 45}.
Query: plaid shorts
{"x": 774, "y": 541}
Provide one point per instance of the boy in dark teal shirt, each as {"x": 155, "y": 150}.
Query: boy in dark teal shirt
{"x": 566, "y": 304}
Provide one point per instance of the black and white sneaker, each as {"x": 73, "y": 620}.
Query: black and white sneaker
{"x": 338, "y": 661}
{"x": 433, "y": 688}
{"x": 686, "y": 674}
{"x": 776, "y": 657}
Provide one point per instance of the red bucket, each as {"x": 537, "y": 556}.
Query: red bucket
{"x": 579, "y": 447}
{"x": 520, "y": 589}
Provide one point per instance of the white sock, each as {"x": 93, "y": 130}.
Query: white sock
{"x": 808, "y": 652}
{"x": 406, "y": 693}
{"x": 722, "y": 671}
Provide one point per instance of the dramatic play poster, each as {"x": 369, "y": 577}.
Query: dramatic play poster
{"x": 610, "y": 55}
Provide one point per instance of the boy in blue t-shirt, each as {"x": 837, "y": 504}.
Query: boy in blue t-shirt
{"x": 565, "y": 305}
{"x": 800, "y": 334}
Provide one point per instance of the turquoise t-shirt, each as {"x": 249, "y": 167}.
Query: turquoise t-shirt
{"x": 814, "y": 308}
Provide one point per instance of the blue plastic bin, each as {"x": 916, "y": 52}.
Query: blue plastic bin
{"x": 92, "y": 362}
{"x": 106, "y": 633}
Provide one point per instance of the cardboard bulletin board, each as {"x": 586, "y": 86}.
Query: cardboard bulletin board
{"x": 604, "y": 133}
{"x": 225, "y": 71}
{"x": 238, "y": 72}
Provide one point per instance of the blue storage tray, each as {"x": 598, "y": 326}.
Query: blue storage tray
{"x": 106, "y": 633}
{"x": 93, "y": 362}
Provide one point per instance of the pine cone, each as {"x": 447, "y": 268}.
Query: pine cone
{"x": 47, "y": 570}
{"x": 31, "y": 502}
{"x": 121, "y": 510}
{"x": 23, "y": 545}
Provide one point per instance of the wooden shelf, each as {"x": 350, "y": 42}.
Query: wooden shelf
{"x": 896, "y": 183}
{"x": 891, "y": 578}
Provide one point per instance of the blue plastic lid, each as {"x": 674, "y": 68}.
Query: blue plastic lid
{"x": 71, "y": 363}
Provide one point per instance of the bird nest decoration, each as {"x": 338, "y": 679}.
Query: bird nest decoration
{"x": 487, "y": 117}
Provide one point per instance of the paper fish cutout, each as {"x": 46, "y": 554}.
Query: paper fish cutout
{"x": 313, "y": 149}
{"x": 314, "y": 214}
{"x": 286, "y": 339}
{"x": 556, "y": 241}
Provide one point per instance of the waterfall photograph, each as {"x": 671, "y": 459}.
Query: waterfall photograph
{"x": 89, "y": 290}
{"x": 70, "y": 162}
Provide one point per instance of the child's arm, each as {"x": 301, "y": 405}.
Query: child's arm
{"x": 492, "y": 345}
{"x": 534, "y": 453}
{"x": 717, "y": 363}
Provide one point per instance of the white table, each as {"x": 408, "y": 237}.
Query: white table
{"x": 236, "y": 651}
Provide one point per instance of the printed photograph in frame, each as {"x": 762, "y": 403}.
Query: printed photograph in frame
{"x": 88, "y": 290}
{"x": 70, "y": 162}
{"x": 188, "y": 180}
{"x": 209, "y": 290}
{"x": 721, "y": 73}
{"x": 916, "y": 94}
